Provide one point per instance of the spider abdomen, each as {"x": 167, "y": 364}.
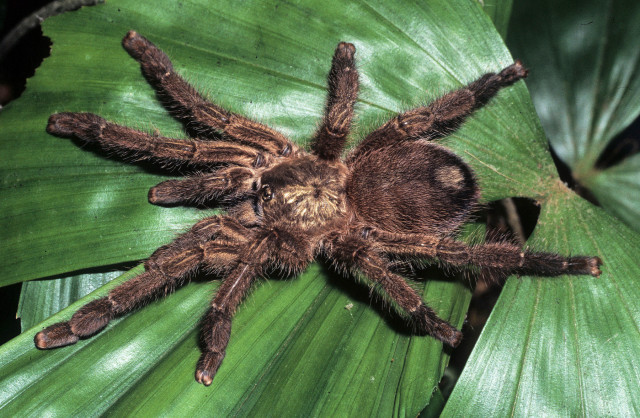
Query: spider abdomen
{"x": 412, "y": 187}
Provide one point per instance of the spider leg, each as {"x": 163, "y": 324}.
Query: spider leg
{"x": 353, "y": 250}
{"x": 199, "y": 188}
{"x": 444, "y": 115}
{"x": 165, "y": 269}
{"x": 187, "y": 104}
{"x": 216, "y": 325}
{"x": 142, "y": 146}
{"x": 502, "y": 256}
{"x": 343, "y": 92}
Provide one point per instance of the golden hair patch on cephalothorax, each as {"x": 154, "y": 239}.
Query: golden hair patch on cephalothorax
{"x": 313, "y": 201}
{"x": 396, "y": 195}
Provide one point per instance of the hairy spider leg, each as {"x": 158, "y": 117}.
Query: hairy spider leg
{"x": 351, "y": 249}
{"x": 200, "y": 115}
{"x": 199, "y": 188}
{"x": 216, "y": 325}
{"x": 343, "y": 92}
{"x": 444, "y": 115}
{"x": 138, "y": 145}
{"x": 166, "y": 269}
{"x": 502, "y": 256}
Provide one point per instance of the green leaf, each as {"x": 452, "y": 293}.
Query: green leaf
{"x": 618, "y": 190}
{"x": 294, "y": 348}
{"x": 585, "y": 82}
{"x": 559, "y": 346}
{"x": 40, "y": 299}
{"x": 499, "y": 11}
{"x": 551, "y": 347}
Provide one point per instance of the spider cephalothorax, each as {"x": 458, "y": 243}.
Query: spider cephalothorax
{"x": 396, "y": 194}
{"x": 304, "y": 193}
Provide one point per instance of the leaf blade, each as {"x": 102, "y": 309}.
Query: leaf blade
{"x": 561, "y": 362}
{"x": 272, "y": 71}
{"x": 585, "y": 72}
{"x": 617, "y": 189}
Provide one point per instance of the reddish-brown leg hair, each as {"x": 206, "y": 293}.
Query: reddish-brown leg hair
{"x": 503, "y": 256}
{"x": 444, "y": 115}
{"x": 216, "y": 325}
{"x": 141, "y": 146}
{"x": 352, "y": 250}
{"x": 343, "y": 92}
{"x": 230, "y": 181}
{"x": 199, "y": 114}
{"x": 165, "y": 269}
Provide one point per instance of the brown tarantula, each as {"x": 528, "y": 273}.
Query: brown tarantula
{"x": 396, "y": 194}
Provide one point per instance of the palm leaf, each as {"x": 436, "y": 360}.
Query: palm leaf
{"x": 585, "y": 83}
{"x": 294, "y": 349}
{"x": 551, "y": 347}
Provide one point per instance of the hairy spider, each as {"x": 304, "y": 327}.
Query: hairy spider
{"x": 396, "y": 194}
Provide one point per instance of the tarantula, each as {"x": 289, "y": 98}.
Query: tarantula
{"x": 396, "y": 194}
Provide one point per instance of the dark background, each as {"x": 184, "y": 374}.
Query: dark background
{"x": 15, "y": 67}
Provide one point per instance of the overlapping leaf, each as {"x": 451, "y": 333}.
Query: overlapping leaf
{"x": 295, "y": 349}
{"x": 553, "y": 347}
{"x": 618, "y": 190}
{"x": 585, "y": 83}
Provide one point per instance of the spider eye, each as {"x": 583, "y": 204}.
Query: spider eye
{"x": 267, "y": 193}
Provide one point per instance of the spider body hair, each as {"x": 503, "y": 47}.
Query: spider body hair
{"x": 396, "y": 196}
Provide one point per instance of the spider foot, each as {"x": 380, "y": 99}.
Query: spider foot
{"x": 166, "y": 193}
{"x": 429, "y": 323}
{"x": 56, "y": 335}
{"x": 154, "y": 62}
{"x": 345, "y": 50}
{"x": 208, "y": 366}
{"x": 448, "y": 334}
{"x": 85, "y": 126}
{"x": 549, "y": 264}
{"x": 89, "y": 320}
{"x": 590, "y": 265}
{"x": 513, "y": 73}
{"x": 595, "y": 264}
{"x": 135, "y": 44}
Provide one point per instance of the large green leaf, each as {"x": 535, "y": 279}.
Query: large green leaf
{"x": 570, "y": 346}
{"x": 40, "y": 299}
{"x": 562, "y": 347}
{"x": 585, "y": 82}
{"x": 295, "y": 349}
{"x": 499, "y": 11}
{"x": 618, "y": 190}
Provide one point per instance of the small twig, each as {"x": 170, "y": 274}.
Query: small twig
{"x": 37, "y": 17}
{"x": 513, "y": 219}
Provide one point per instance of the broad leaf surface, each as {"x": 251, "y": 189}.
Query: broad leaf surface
{"x": 585, "y": 82}
{"x": 570, "y": 346}
{"x": 499, "y": 11}
{"x": 294, "y": 349}
{"x": 617, "y": 188}
{"x": 567, "y": 346}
